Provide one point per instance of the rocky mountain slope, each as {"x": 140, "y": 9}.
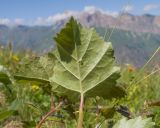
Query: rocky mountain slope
{"x": 125, "y": 21}
{"x": 134, "y": 39}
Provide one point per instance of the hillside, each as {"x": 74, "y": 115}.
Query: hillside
{"x": 131, "y": 47}
{"x": 134, "y": 39}
{"x": 125, "y": 21}
{"x": 38, "y": 38}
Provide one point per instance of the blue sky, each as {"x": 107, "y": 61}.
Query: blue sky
{"x": 31, "y": 10}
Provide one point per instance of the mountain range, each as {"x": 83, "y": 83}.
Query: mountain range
{"x": 134, "y": 37}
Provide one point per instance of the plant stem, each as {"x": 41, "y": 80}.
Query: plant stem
{"x": 80, "y": 119}
{"x": 48, "y": 114}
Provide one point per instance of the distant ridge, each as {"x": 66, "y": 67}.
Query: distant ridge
{"x": 134, "y": 39}
{"x": 125, "y": 21}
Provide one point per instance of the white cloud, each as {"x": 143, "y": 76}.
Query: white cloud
{"x": 8, "y": 22}
{"x": 5, "y": 21}
{"x": 93, "y": 9}
{"x": 18, "y": 21}
{"x": 67, "y": 14}
{"x": 128, "y": 8}
{"x": 149, "y": 7}
{"x": 40, "y": 21}
{"x": 90, "y": 9}
{"x": 59, "y": 16}
{"x": 54, "y": 18}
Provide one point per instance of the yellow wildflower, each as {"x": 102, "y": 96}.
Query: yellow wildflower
{"x": 35, "y": 87}
{"x": 15, "y": 58}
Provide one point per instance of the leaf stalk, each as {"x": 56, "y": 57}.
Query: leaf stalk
{"x": 53, "y": 109}
{"x": 80, "y": 119}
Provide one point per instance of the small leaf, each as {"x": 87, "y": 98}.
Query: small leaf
{"x": 29, "y": 124}
{"x": 135, "y": 123}
{"x": 16, "y": 104}
{"x": 4, "y": 78}
{"x": 5, "y": 114}
{"x": 107, "y": 112}
{"x": 37, "y": 70}
{"x": 35, "y": 108}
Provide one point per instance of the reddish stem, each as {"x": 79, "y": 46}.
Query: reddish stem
{"x": 80, "y": 120}
{"x": 48, "y": 114}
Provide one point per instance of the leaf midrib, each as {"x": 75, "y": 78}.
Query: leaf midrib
{"x": 66, "y": 67}
{"x": 100, "y": 58}
{"x": 78, "y": 66}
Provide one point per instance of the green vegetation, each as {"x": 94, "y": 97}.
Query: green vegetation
{"x": 78, "y": 84}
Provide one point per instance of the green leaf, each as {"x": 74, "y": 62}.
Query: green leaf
{"x": 85, "y": 63}
{"x": 5, "y": 114}
{"x": 107, "y": 112}
{"x": 135, "y": 123}
{"x": 81, "y": 63}
{"x": 35, "y": 108}
{"x": 16, "y": 104}
{"x": 37, "y": 70}
{"x": 4, "y": 78}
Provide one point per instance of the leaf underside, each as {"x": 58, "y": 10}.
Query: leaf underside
{"x": 4, "y": 77}
{"x": 85, "y": 63}
{"x": 135, "y": 123}
{"x": 81, "y": 63}
{"x": 36, "y": 70}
